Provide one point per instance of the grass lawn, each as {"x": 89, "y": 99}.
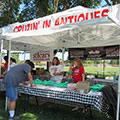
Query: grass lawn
{"x": 109, "y": 71}
{"x": 92, "y": 70}
{"x": 47, "y": 111}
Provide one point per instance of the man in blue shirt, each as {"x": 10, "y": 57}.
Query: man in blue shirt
{"x": 12, "y": 79}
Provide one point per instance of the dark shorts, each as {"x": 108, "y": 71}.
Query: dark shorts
{"x": 12, "y": 93}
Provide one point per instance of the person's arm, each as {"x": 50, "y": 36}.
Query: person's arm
{"x": 25, "y": 83}
{"x": 83, "y": 73}
{"x": 60, "y": 73}
{"x": 30, "y": 79}
{"x": 50, "y": 74}
{"x": 5, "y": 71}
{"x": 83, "y": 77}
{"x": 71, "y": 65}
{"x": 60, "y": 70}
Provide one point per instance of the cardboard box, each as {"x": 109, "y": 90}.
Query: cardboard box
{"x": 83, "y": 85}
{"x": 42, "y": 71}
{"x": 39, "y": 71}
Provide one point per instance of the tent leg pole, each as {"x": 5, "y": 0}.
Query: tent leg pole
{"x": 118, "y": 99}
{"x": 24, "y": 55}
{"x": 63, "y": 50}
{"x": 1, "y": 44}
{"x": 9, "y": 55}
{"x": 8, "y": 70}
{"x": 6, "y": 100}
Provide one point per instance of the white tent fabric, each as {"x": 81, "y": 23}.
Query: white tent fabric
{"x": 19, "y": 46}
{"x": 76, "y": 27}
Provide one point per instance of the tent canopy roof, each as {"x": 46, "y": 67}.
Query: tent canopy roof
{"x": 76, "y": 27}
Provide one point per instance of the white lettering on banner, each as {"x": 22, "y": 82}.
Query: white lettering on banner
{"x": 41, "y": 56}
{"x": 62, "y": 20}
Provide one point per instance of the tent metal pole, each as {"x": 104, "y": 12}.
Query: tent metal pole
{"x": 24, "y": 55}
{"x": 8, "y": 70}
{"x": 103, "y": 68}
{"x": 9, "y": 55}
{"x": 63, "y": 50}
{"x": 118, "y": 99}
{"x": 1, "y": 44}
{"x": 0, "y": 56}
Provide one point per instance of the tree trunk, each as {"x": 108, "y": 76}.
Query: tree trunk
{"x": 108, "y": 2}
{"x": 66, "y": 5}
{"x": 56, "y": 2}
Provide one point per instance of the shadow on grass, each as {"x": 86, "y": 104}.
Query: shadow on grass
{"x": 47, "y": 111}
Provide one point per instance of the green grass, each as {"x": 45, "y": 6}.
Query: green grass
{"x": 47, "y": 111}
{"x": 92, "y": 70}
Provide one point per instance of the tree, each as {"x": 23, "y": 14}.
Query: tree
{"x": 112, "y": 2}
{"x": 15, "y": 56}
{"x": 3, "y": 53}
{"x": 12, "y": 11}
{"x": 9, "y": 11}
{"x": 34, "y": 8}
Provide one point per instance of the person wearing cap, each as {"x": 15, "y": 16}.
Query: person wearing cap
{"x": 12, "y": 79}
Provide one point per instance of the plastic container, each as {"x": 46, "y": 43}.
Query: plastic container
{"x": 69, "y": 75}
{"x": 71, "y": 86}
{"x": 114, "y": 78}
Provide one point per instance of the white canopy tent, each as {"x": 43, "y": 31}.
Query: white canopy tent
{"x": 76, "y": 27}
{"x": 19, "y": 46}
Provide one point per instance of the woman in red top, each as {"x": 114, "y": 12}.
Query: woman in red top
{"x": 78, "y": 70}
{"x": 78, "y": 73}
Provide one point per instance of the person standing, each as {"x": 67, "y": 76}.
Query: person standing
{"x": 78, "y": 73}
{"x": 12, "y": 64}
{"x": 12, "y": 79}
{"x": 6, "y": 63}
{"x": 56, "y": 70}
{"x": 78, "y": 70}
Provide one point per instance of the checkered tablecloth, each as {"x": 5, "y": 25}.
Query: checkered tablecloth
{"x": 65, "y": 97}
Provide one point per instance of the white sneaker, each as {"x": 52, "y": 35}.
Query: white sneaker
{"x": 16, "y": 117}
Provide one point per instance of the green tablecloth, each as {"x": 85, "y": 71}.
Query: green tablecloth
{"x": 50, "y": 82}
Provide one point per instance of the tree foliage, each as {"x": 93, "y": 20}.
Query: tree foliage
{"x": 35, "y": 9}
{"x": 15, "y": 56}
{"x": 9, "y": 11}
{"x": 12, "y": 11}
{"x": 112, "y": 2}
